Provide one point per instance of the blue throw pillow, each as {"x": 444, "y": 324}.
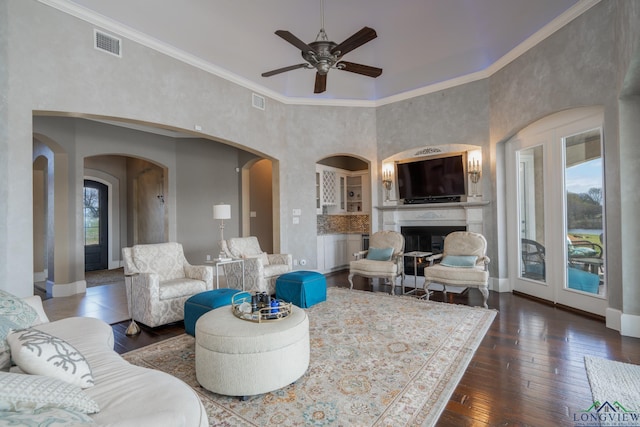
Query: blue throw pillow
{"x": 380, "y": 254}
{"x": 464, "y": 261}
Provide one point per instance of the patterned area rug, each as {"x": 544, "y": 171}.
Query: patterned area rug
{"x": 376, "y": 360}
{"x": 104, "y": 277}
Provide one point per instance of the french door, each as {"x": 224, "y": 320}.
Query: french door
{"x": 555, "y": 211}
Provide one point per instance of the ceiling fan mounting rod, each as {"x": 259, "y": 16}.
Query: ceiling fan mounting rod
{"x": 322, "y": 35}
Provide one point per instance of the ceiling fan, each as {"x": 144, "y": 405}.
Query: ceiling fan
{"x": 323, "y": 54}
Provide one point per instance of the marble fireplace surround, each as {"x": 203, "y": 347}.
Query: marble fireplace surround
{"x": 468, "y": 214}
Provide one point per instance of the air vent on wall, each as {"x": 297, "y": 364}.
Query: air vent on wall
{"x": 107, "y": 43}
{"x": 258, "y": 101}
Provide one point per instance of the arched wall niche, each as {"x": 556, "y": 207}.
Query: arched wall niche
{"x": 473, "y": 161}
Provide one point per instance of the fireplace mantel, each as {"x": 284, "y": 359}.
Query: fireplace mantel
{"x": 432, "y": 214}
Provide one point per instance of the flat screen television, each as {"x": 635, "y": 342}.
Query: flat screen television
{"x": 432, "y": 180}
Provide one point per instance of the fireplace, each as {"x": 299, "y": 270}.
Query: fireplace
{"x": 425, "y": 226}
{"x": 425, "y": 239}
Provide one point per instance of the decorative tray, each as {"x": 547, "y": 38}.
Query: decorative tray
{"x": 259, "y": 307}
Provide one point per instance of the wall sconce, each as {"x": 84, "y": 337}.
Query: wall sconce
{"x": 474, "y": 169}
{"x": 222, "y": 212}
{"x": 387, "y": 174}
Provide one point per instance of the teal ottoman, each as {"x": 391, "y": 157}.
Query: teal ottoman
{"x": 302, "y": 288}
{"x": 202, "y": 303}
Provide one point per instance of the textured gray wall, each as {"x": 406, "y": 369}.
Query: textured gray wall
{"x": 205, "y": 175}
{"x": 7, "y": 219}
{"x": 629, "y": 78}
{"x": 575, "y": 67}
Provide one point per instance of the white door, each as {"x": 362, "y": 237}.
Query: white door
{"x": 556, "y": 210}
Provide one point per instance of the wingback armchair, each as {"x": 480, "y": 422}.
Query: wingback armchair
{"x": 261, "y": 270}
{"x": 383, "y": 259}
{"x": 159, "y": 280}
{"x": 464, "y": 262}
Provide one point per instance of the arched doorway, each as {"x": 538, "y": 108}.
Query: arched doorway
{"x": 135, "y": 201}
{"x": 343, "y": 206}
{"x": 95, "y": 215}
{"x": 257, "y": 189}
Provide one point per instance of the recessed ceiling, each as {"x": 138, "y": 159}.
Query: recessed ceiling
{"x": 420, "y": 43}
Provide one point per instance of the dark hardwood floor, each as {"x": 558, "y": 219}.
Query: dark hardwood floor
{"x": 528, "y": 371}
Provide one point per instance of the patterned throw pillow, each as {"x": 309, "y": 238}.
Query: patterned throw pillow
{"x": 20, "y": 392}
{"x": 6, "y": 326}
{"x": 36, "y": 352}
{"x": 16, "y": 310}
{"x": 50, "y": 417}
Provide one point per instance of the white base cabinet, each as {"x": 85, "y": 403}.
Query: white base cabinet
{"x": 332, "y": 252}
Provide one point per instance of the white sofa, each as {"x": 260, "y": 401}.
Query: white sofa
{"x": 127, "y": 395}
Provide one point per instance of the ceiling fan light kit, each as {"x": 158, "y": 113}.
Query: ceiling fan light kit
{"x": 323, "y": 55}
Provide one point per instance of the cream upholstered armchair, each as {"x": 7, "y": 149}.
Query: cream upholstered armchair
{"x": 464, "y": 262}
{"x": 261, "y": 270}
{"x": 383, "y": 259}
{"x": 159, "y": 280}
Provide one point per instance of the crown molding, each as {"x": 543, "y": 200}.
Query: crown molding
{"x": 110, "y": 25}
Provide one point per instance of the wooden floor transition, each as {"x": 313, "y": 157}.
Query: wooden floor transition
{"x": 528, "y": 370}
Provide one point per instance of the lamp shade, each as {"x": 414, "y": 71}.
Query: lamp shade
{"x": 221, "y": 211}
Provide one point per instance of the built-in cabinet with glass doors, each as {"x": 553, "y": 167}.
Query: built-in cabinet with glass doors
{"x": 340, "y": 191}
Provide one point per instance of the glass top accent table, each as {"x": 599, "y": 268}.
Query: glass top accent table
{"x": 218, "y": 262}
{"x": 416, "y": 255}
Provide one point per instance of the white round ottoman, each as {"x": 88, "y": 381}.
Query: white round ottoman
{"x": 236, "y": 357}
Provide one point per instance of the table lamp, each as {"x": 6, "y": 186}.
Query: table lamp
{"x": 221, "y": 212}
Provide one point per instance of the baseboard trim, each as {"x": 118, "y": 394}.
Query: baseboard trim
{"x": 499, "y": 285}
{"x": 66, "y": 289}
{"x": 614, "y": 319}
{"x": 630, "y": 325}
{"x": 627, "y": 324}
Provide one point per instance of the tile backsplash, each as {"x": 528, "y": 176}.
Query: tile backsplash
{"x": 332, "y": 224}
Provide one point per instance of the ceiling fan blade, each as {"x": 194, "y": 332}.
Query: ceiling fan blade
{"x": 321, "y": 83}
{"x": 363, "y": 36}
{"x": 365, "y": 70}
{"x": 295, "y": 41}
{"x": 284, "y": 69}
